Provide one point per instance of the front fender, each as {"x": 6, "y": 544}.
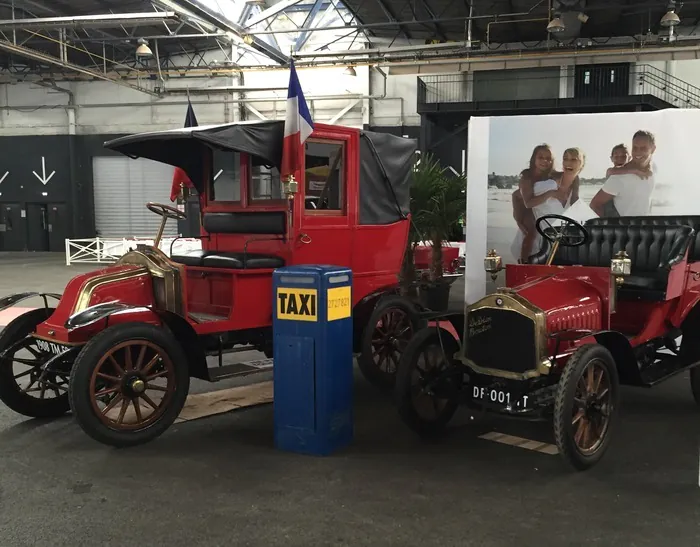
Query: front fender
{"x": 96, "y": 313}
{"x": 11, "y": 300}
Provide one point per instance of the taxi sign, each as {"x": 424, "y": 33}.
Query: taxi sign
{"x": 339, "y": 305}
{"x": 297, "y": 304}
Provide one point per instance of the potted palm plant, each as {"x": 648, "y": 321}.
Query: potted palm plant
{"x": 438, "y": 203}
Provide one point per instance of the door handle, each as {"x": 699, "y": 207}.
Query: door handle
{"x": 304, "y": 238}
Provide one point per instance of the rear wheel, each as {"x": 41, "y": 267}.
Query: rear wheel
{"x": 428, "y": 381}
{"x": 129, "y": 384}
{"x": 26, "y": 386}
{"x": 586, "y": 406}
{"x": 387, "y": 333}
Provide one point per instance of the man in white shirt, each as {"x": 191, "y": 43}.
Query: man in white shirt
{"x": 631, "y": 186}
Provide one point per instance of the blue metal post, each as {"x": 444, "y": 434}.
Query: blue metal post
{"x": 313, "y": 361}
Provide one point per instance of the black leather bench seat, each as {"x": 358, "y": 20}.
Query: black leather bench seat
{"x": 653, "y": 249}
{"x": 232, "y": 261}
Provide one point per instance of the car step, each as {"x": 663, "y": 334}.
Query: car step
{"x": 664, "y": 367}
{"x": 234, "y": 370}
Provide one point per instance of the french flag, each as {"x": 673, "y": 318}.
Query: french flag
{"x": 180, "y": 178}
{"x": 298, "y": 124}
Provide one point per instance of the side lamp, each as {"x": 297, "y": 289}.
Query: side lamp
{"x": 493, "y": 264}
{"x": 620, "y": 267}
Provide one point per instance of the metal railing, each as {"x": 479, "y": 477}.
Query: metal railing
{"x": 100, "y": 250}
{"x": 478, "y": 87}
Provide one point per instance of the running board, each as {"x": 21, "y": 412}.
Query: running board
{"x": 235, "y": 370}
{"x": 666, "y": 367}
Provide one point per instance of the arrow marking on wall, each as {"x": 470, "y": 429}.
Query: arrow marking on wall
{"x": 4, "y": 176}
{"x": 43, "y": 179}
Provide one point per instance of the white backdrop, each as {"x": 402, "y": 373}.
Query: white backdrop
{"x": 501, "y": 147}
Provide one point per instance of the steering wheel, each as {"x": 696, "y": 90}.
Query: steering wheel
{"x": 563, "y": 235}
{"x": 166, "y": 211}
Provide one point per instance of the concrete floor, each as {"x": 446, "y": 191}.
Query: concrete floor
{"x": 219, "y": 481}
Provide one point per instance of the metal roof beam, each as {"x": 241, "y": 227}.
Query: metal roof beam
{"x": 270, "y": 12}
{"x": 51, "y": 60}
{"x": 224, "y": 23}
{"x": 88, "y": 21}
{"x": 311, "y": 16}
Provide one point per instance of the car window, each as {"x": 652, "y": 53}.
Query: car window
{"x": 265, "y": 184}
{"x": 226, "y": 176}
{"x": 324, "y": 176}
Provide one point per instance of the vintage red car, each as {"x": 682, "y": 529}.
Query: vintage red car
{"x": 602, "y": 304}
{"x": 122, "y": 343}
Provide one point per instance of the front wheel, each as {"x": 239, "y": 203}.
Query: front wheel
{"x": 26, "y": 385}
{"x": 129, "y": 384}
{"x": 428, "y": 381}
{"x": 586, "y": 406}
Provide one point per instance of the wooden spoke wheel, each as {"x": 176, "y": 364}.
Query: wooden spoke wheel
{"x": 391, "y": 326}
{"x": 27, "y": 385}
{"x": 129, "y": 384}
{"x": 428, "y": 381}
{"x": 586, "y": 406}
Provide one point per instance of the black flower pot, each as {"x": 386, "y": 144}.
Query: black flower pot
{"x": 435, "y": 295}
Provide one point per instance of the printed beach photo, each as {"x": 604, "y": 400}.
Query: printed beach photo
{"x": 586, "y": 165}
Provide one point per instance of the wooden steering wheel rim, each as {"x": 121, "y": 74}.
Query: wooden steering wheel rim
{"x": 166, "y": 211}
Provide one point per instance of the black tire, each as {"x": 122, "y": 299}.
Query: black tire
{"x": 11, "y": 393}
{"x": 84, "y": 398}
{"x": 695, "y": 383}
{"x": 367, "y": 361}
{"x": 595, "y": 358}
{"x": 442, "y": 346}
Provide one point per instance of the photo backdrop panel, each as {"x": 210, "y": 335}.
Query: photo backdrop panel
{"x": 494, "y": 173}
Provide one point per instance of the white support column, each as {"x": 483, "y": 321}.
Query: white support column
{"x": 344, "y": 111}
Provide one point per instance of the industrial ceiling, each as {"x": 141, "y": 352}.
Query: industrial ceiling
{"x": 132, "y": 41}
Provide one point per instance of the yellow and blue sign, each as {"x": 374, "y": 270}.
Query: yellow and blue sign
{"x": 297, "y": 304}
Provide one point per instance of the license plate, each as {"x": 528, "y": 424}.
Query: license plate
{"x": 500, "y": 397}
{"x": 51, "y": 347}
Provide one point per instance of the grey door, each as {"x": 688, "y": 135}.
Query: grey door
{"x": 11, "y": 227}
{"x": 57, "y": 226}
{"x": 37, "y": 227}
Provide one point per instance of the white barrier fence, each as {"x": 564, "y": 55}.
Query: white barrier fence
{"x": 99, "y": 250}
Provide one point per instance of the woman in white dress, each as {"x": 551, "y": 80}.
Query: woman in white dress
{"x": 545, "y": 191}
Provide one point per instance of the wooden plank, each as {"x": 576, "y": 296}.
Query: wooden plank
{"x": 201, "y": 405}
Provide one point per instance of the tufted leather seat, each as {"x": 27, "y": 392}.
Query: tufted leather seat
{"x": 670, "y": 220}
{"x": 653, "y": 250}
{"x": 233, "y": 261}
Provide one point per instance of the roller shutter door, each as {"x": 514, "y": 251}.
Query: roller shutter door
{"x": 122, "y": 187}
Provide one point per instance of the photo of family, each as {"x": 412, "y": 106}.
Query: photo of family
{"x": 582, "y": 166}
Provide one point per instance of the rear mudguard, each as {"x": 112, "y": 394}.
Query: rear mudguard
{"x": 181, "y": 329}
{"x": 11, "y": 300}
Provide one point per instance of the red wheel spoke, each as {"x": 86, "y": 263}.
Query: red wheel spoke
{"x": 113, "y": 403}
{"x": 112, "y": 379}
{"x": 590, "y": 379}
{"x": 139, "y": 360}
{"x": 156, "y": 375}
{"x": 106, "y": 392}
{"x": 137, "y": 409}
{"x": 151, "y": 364}
{"x": 149, "y": 401}
{"x": 129, "y": 365}
{"x": 122, "y": 411}
{"x": 116, "y": 365}
{"x": 579, "y": 415}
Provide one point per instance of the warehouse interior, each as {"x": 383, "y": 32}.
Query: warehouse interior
{"x": 77, "y": 73}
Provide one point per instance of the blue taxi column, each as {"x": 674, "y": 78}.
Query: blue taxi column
{"x": 313, "y": 360}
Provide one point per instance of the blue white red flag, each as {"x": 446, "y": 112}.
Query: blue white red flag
{"x": 298, "y": 124}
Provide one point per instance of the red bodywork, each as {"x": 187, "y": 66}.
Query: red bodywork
{"x": 423, "y": 256}
{"x": 577, "y": 302}
{"x": 238, "y": 299}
